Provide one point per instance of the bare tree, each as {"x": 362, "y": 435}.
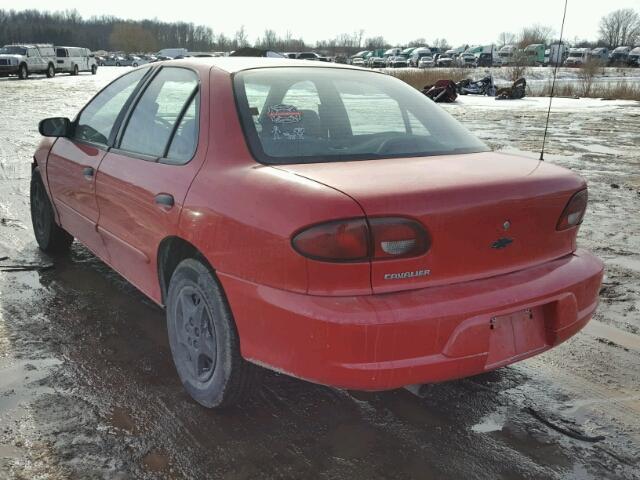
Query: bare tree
{"x": 506, "y": 38}
{"x": 620, "y": 27}
{"x": 269, "y": 39}
{"x": 375, "y": 43}
{"x": 418, "y": 42}
{"x": 441, "y": 43}
{"x": 535, "y": 34}
{"x": 240, "y": 38}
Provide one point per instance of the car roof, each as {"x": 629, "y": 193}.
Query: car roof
{"x": 237, "y": 64}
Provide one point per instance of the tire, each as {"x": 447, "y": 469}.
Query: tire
{"x": 94, "y": 69}
{"x": 51, "y": 71}
{"x": 117, "y": 64}
{"x": 50, "y": 237}
{"x": 23, "y": 72}
{"x": 203, "y": 338}
{"x": 75, "y": 70}
{"x": 134, "y": 65}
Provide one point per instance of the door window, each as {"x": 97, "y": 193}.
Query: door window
{"x": 98, "y": 118}
{"x": 185, "y": 138}
{"x": 166, "y": 103}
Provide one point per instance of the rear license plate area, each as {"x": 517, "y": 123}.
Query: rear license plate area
{"x": 515, "y": 335}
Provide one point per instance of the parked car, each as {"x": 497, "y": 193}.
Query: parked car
{"x": 396, "y": 61}
{"x": 357, "y": 61}
{"x": 114, "y": 61}
{"x": 619, "y": 56}
{"x": 136, "y": 61}
{"x": 577, "y": 57}
{"x": 445, "y": 61}
{"x": 633, "y": 60}
{"x": 376, "y": 62}
{"x": 388, "y": 252}
{"x": 417, "y": 54}
{"x": 173, "y": 52}
{"x": 600, "y": 54}
{"x": 485, "y": 60}
{"x": 467, "y": 60}
{"x": 23, "y": 60}
{"x": 74, "y": 60}
{"x": 307, "y": 56}
{"x": 426, "y": 61}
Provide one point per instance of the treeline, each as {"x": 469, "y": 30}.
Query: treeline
{"x": 106, "y": 32}
{"x": 621, "y": 27}
{"x": 115, "y": 34}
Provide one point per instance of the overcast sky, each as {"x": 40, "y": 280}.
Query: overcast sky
{"x": 461, "y": 21}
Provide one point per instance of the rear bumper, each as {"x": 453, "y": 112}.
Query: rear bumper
{"x": 381, "y": 342}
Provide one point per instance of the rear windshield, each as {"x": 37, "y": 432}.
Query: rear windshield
{"x": 308, "y": 115}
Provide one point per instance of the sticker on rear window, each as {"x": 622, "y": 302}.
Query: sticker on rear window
{"x": 284, "y": 114}
{"x": 295, "y": 134}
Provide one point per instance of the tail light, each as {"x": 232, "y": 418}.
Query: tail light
{"x": 573, "y": 213}
{"x": 359, "y": 239}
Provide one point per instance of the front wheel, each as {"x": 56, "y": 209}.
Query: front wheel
{"x": 203, "y": 338}
{"x": 94, "y": 69}
{"x": 23, "y": 72}
{"x": 50, "y": 237}
{"x": 51, "y": 72}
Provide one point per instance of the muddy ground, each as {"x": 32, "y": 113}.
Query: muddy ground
{"x": 88, "y": 390}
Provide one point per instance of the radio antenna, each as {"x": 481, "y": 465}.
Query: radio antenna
{"x": 553, "y": 83}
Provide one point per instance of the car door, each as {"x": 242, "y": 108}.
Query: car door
{"x": 143, "y": 180}
{"x": 73, "y": 162}
{"x": 33, "y": 63}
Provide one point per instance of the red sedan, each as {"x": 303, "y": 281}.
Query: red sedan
{"x": 323, "y": 221}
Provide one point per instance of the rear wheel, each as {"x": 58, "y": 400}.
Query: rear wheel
{"x": 75, "y": 71}
{"x": 94, "y": 69}
{"x": 50, "y": 237}
{"x": 23, "y": 72}
{"x": 51, "y": 71}
{"x": 203, "y": 338}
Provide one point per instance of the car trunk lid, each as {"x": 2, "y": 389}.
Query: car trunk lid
{"x": 487, "y": 213}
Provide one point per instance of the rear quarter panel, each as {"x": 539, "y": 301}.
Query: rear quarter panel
{"x": 241, "y": 214}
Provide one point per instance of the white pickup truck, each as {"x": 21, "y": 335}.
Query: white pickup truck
{"x": 74, "y": 60}
{"x": 23, "y": 60}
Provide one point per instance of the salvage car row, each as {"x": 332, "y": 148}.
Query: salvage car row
{"x": 490, "y": 56}
{"x": 25, "y": 59}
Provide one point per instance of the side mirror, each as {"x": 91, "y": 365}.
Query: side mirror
{"x": 55, "y": 127}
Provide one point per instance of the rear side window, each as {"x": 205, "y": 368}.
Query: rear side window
{"x": 310, "y": 114}
{"x": 61, "y": 52}
{"x": 166, "y": 111}
{"x": 98, "y": 118}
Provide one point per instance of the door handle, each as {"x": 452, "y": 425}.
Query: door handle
{"x": 164, "y": 200}
{"x": 88, "y": 172}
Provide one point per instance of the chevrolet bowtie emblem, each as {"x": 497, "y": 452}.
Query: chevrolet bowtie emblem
{"x": 502, "y": 243}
